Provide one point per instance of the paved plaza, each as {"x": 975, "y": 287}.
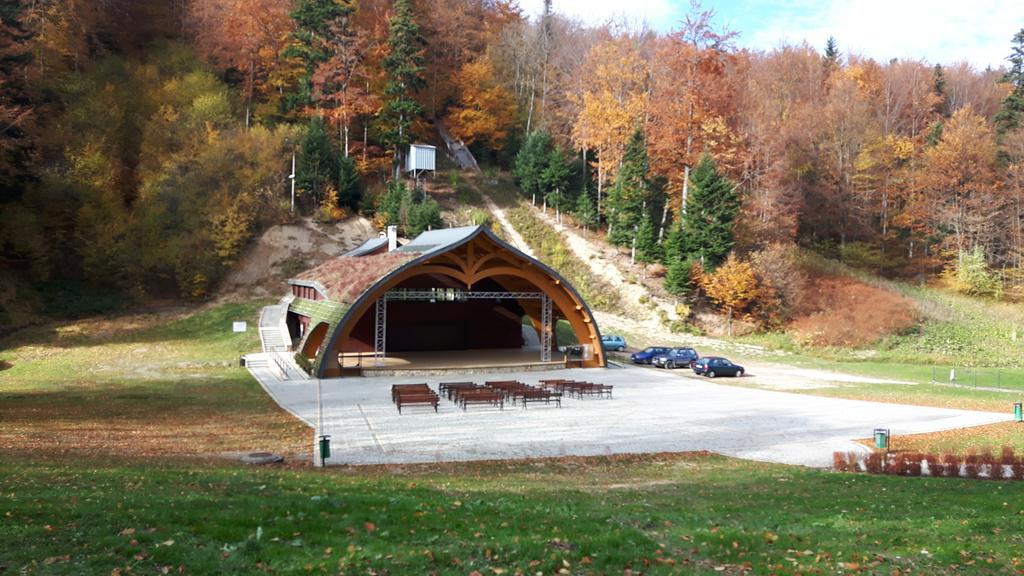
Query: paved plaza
{"x": 651, "y": 411}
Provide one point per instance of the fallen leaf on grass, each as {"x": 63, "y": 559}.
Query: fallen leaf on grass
{"x": 55, "y": 559}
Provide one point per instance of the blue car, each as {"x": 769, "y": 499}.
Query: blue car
{"x": 676, "y": 357}
{"x": 613, "y": 342}
{"x": 647, "y": 355}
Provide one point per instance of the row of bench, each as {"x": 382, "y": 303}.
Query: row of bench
{"x": 495, "y": 393}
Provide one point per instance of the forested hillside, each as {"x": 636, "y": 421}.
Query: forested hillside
{"x": 144, "y": 144}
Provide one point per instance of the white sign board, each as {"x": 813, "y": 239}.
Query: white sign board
{"x": 238, "y": 326}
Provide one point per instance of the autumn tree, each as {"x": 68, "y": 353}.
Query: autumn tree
{"x": 341, "y": 84}
{"x": 486, "y": 111}
{"x": 692, "y": 103}
{"x": 404, "y": 67}
{"x": 957, "y": 183}
{"x": 613, "y": 102}
{"x": 707, "y": 225}
{"x": 246, "y": 36}
{"x": 733, "y": 287}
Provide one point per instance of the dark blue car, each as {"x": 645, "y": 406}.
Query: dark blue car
{"x": 646, "y": 355}
{"x": 676, "y": 358}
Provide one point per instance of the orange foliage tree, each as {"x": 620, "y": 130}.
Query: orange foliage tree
{"x": 486, "y": 110}
{"x": 733, "y": 286}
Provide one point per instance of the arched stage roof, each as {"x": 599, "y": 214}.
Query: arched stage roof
{"x": 342, "y": 290}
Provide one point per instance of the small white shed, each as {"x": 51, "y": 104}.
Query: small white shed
{"x": 420, "y": 158}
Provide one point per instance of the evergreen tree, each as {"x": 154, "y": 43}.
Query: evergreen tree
{"x": 586, "y": 212}
{"x": 313, "y": 21}
{"x": 628, "y": 197}
{"x": 391, "y": 202}
{"x": 422, "y": 216}
{"x": 830, "y": 62}
{"x": 316, "y": 161}
{"x": 677, "y": 278}
{"x": 349, "y": 189}
{"x": 530, "y": 163}
{"x": 711, "y": 209}
{"x": 1011, "y": 114}
{"x": 555, "y": 178}
{"x": 939, "y": 87}
{"x": 647, "y": 248}
{"x": 404, "y": 68}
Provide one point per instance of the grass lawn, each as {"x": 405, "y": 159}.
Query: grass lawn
{"x": 660, "y": 514}
{"x": 162, "y": 384}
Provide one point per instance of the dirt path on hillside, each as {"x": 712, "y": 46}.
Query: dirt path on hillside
{"x": 594, "y": 256}
{"x": 513, "y": 235}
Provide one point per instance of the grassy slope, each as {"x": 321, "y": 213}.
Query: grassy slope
{"x": 658, "y": 515}
{"x": 158, "y": 384}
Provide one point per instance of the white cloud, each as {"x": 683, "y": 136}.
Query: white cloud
{"x": 979, "y": 32}
{"x": 661, "y": 15}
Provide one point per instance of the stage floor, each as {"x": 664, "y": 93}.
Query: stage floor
{"x": 463, "y": 360}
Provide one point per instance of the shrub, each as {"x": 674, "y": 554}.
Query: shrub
{"x": 970, "y": 274}
{"x": 987, "y": 463}
{"x": 934, "y": 465}
{"x": 950, "y": 465}
{"x": 845, "y": 312}
{"x": 912, "y": 465}
{"x": 841, "y": 462}
{"x": 874, "y": 463}
{"x": 777, "y": 267}
{"x": 972, "y": 465}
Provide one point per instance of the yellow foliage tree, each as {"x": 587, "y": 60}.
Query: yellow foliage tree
{"x": 732, "y": 286}
{"x": 486, "y": 109}
{"x": 612, "y": 104}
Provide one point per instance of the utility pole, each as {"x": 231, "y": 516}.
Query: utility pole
{"x": 292, "y": 178}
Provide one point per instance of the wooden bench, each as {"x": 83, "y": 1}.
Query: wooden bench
{"x": 452, "y": 389}
{"x": 411, "y": 398}
{"x": 408, "y": 388}
{"x": 537, "y": 395}
{"x": 589, "y": 389}
{"x": 480, "y": 396}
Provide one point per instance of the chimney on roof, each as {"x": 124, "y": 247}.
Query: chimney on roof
{"x": 392, "y": 238}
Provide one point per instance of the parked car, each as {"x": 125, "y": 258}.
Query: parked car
{"x": 613, "y": 342}
{"x": 675, "y": 358}
{"x": 646, "y": 356}
{"x": 712, "y": 366}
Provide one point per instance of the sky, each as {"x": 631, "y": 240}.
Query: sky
{"x": 938, "y": 31}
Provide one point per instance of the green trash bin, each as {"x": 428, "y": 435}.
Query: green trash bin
{"x": 325, "y": 448}
{"x": 882, "y": 438}
{"x": 1018, "y": 413}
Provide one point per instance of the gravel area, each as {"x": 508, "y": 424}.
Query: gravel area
{"x": 651, "y": 411}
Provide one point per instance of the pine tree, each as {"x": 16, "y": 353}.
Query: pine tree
{"x": 586, "y": 212}
{"x": 647, "y": 248}
{"x": 627, "y": 198}
{"x": 404, "y": 68}
{"x": 555, "y": 177}
{"x": 677, "y": 278}
{"x": 530, "y": 163}
{"x": 711, "y": 209}
{"x": 317, "y": 163}
{"x": 830, "y": 62}
{"x": 939, "y": 87}
{"x": 349, "y": 190}
{"x": 1011, "y": 114}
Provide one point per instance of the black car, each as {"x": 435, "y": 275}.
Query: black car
{"x": 712, "y": 366}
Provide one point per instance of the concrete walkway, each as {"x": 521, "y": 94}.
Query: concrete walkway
{"x": 652, "y": 411}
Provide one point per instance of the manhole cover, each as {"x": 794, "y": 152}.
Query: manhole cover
{"x": 262, "y": 458}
